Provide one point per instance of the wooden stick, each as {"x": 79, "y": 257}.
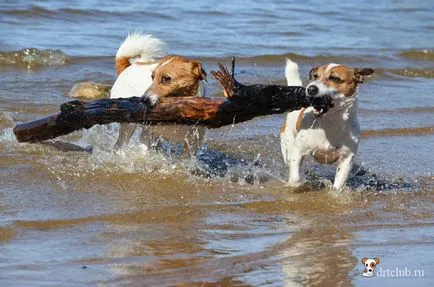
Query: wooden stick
{"x": 243, "y": 103}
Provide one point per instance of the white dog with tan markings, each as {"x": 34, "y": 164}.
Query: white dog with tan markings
{"x": 144, "y": 70}
{"x": 331, "y": 137}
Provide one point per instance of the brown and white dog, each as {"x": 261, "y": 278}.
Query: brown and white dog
{"x": 143, "y": 69}
{"x": 176, "y": 76}
{"x": 370, "y": 264}
{"x": 332, "y": 137}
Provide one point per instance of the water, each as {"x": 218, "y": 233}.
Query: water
{"x": 82, "y": 215}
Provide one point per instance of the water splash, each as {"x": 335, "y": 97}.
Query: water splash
{"x": 31, "y": 58}
{"x": 6, "y": 123}
{"x": 360, "y": 179}
{"x": 7, "y": 135}
{"x": 6, "y": 119}
{"x": 93, "y": 153}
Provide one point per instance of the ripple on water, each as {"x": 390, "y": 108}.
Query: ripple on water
{"x": 416, "y": 54}
{"x": 6, "y": 234}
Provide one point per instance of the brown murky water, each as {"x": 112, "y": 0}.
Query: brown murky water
{"x": 74, "y": 213}
{"x": 75, "y": 218}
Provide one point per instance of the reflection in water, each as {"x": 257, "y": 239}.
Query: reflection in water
{"x": 253, "y": 243}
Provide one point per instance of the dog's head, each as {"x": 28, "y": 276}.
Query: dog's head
{"x": 176, "y": 76}
{"x": 336, "y": 81}
{"x": 370, "y": 264}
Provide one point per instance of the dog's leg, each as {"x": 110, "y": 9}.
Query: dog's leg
{"x": 126, "y": 131}
{"x": 294, "y": 162}
{"x": 343, "y": 171}
{"x": 145, "y": 137}
{"x": 292, "y": 157}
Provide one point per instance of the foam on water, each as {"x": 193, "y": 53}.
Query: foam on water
{"x": 6, "y": 119}
{"x": 6, "y": 132}
{"x": 91, "y": 152}
{"x": 136, "y": 157}
{"x": 7, "y": 135}
{"x": 98, "y": 157}
{"x": 30, "y": 58}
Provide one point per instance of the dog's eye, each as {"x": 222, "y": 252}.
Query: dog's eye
{"x": 153, "y": 76}
{"x": 335, "y": 79}
{"x": 166, "y": 79}
{"x": 367, "y": 264}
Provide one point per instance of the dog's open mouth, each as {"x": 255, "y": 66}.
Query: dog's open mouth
{"x": 321, "y": 105}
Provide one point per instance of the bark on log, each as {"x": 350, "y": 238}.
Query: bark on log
{"x": 243, "y": 103}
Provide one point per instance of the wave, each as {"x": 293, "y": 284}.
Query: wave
{"x": 6, "y": 234}
{"x": 39, "y": 12}
{"x": 32, "y": 58}
{"x": 414, "y": 54}
{"x": 280, "y": 58}
{"x": 34, "y": 11}
{"x": 419, "y": 131}
{"x": 399, "y": 111}
{"x": 413, "y": 72}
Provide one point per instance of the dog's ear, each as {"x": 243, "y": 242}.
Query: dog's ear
{"x": 360, "y": 74}
{"x": 364, "y": 260}
{"x": 312, "y": 73}
{"x": 198, "y": 71}
{"x": 377, "y": 260}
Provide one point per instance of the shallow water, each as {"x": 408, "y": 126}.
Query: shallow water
{"x": 79, "y": 214}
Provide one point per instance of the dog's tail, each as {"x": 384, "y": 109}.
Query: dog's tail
{"x": 136, "y": 48}
{"x": 291, "y": 73}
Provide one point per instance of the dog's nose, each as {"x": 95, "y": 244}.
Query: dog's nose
{"x": 370, "y": 270}
{"x": 149, "y": 98}
{"x": 312, "y": 90}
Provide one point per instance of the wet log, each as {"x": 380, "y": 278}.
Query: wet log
{"x": 280, "y": 98}
{"x": 242, "y": 103}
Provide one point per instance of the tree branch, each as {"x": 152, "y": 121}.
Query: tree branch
{"x": 242, "y": 103}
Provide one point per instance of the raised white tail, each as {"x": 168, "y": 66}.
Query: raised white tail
{"x": 291, "y": 73}
{"x": 139, "y": 48}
